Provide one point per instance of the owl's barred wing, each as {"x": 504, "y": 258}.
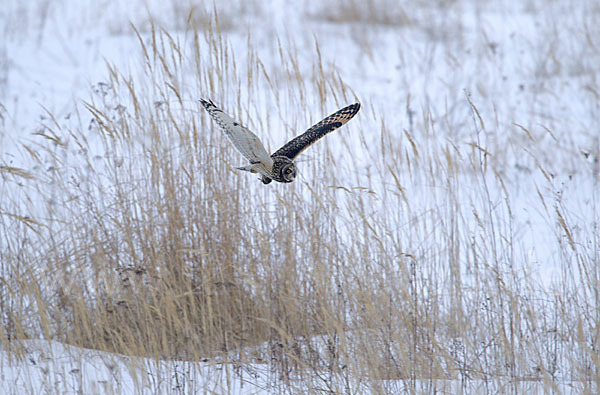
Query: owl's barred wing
{"x": 246, "y": 142}
{"x": 298, "y": 144}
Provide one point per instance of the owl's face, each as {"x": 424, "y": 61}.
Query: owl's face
{"x": 284, "y": 169}
{"x": 288, "y": 172}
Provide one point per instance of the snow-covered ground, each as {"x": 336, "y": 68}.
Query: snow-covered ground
{"x": 51, "y": 367}
{"x": 530, "y": 69}
{"x": 55, "y": 368}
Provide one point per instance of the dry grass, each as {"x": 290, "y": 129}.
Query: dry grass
{"x": 373, "y": 12}
{"x": 137, "y": 237}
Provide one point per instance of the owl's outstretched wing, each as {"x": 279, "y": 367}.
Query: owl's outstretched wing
{"x": 246, "y": 142}
{"x": 298, "y": 144}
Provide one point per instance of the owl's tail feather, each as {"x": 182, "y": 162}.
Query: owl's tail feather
{"x": 251, "y": 168}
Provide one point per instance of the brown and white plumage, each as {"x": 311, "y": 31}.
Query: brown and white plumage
{"x": 279, "y": 166}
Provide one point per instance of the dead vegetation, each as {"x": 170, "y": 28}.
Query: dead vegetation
{"x": 136, "y": 236}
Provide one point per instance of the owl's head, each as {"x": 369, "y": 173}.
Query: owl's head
{"x": 284, "y": 169}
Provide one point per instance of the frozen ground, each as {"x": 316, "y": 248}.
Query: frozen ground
{"x": 50, "y": 367}
{"x": 529, "y": 67}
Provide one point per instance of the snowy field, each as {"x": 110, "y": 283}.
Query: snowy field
{"x": 445, "y": 240}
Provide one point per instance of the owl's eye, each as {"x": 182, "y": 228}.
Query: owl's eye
{"x": 288, "y": 171}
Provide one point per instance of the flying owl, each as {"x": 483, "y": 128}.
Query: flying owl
{"x": 280, "y": 165}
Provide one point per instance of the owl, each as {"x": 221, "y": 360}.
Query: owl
{"x": 278, "y": 166}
